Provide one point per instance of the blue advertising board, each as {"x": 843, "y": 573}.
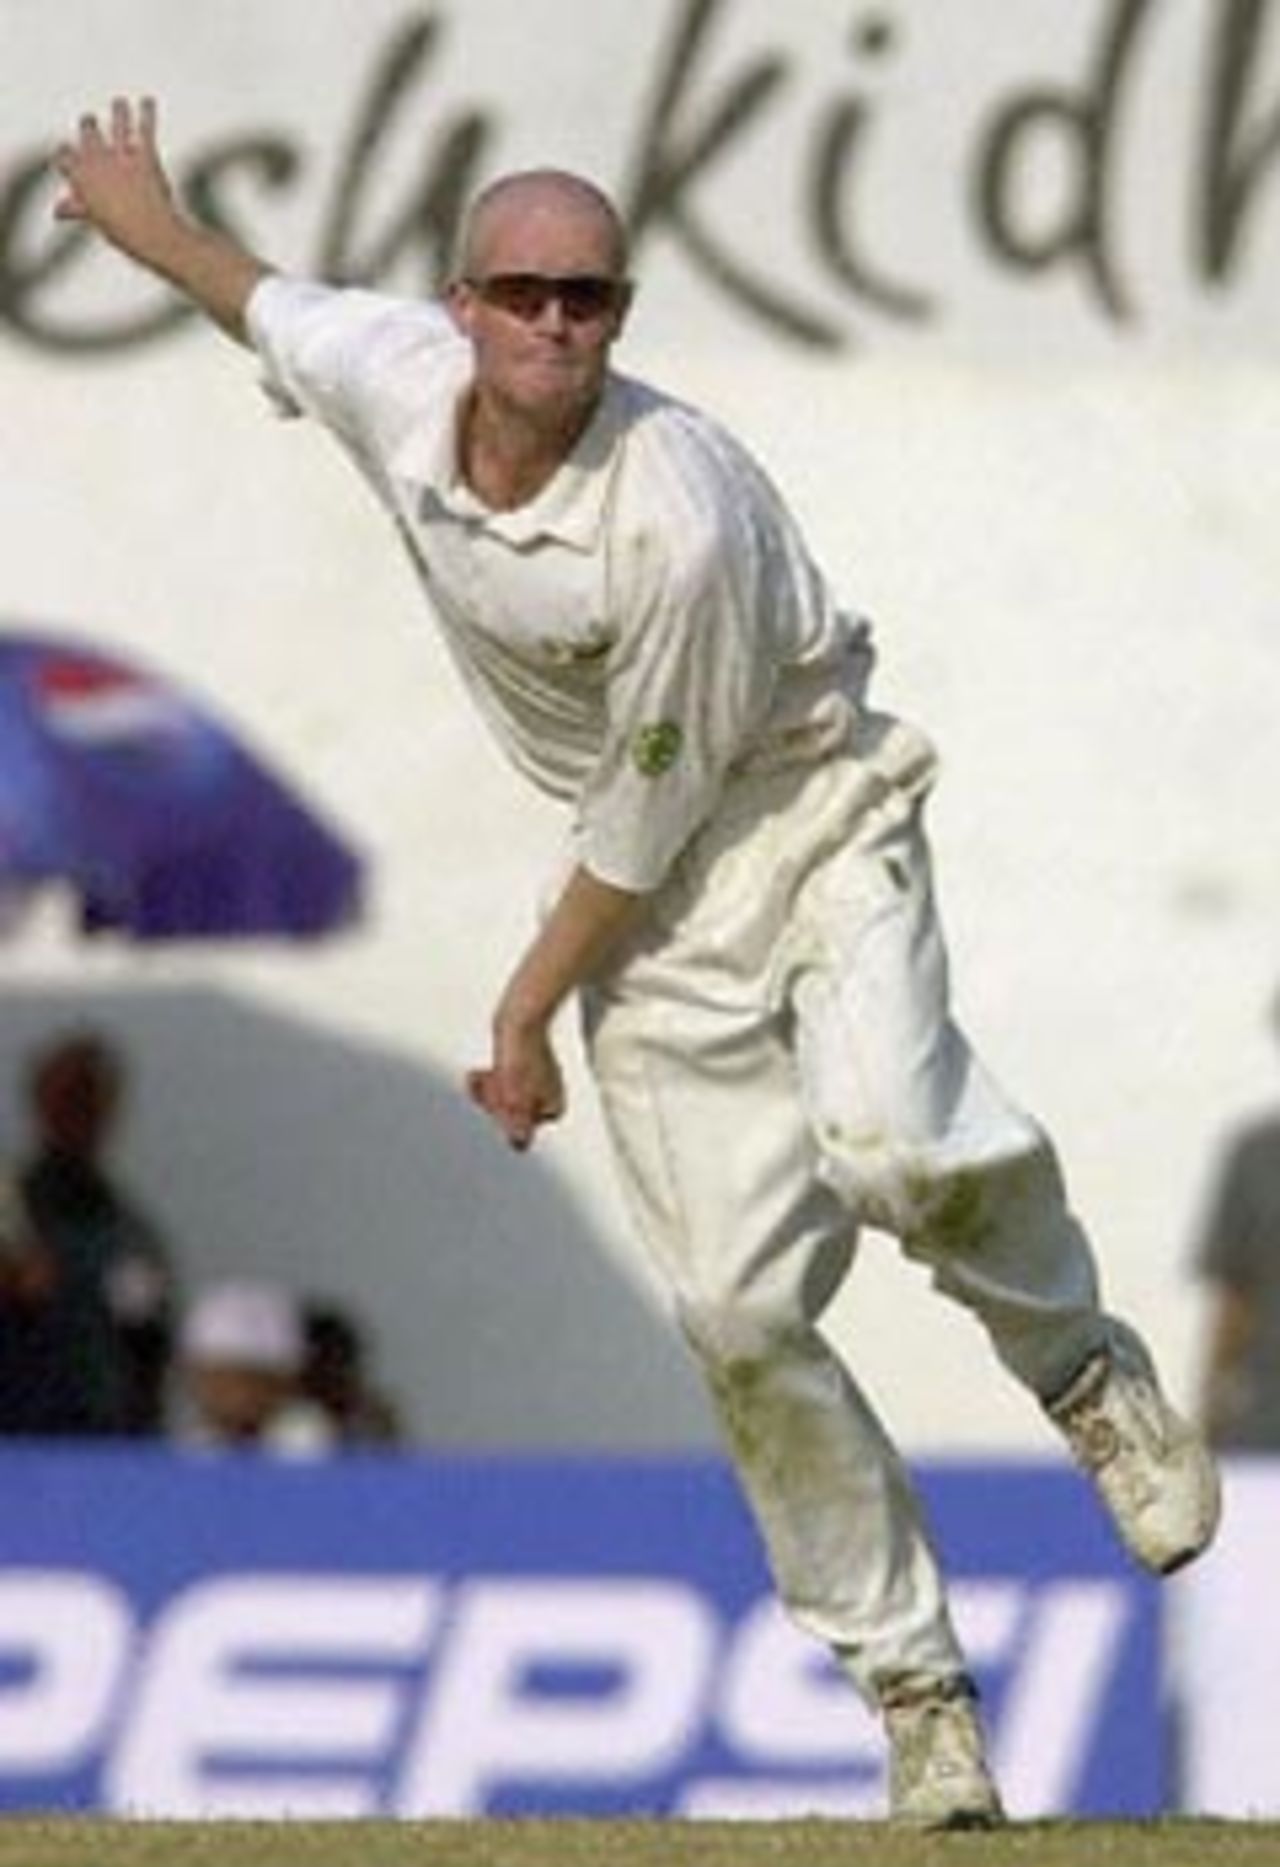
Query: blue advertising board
{"x": 436, "y": 1636}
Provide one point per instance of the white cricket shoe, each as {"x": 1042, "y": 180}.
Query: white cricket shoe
{"x": 938, "y": 1775}
{"x": 1152, "y": 1469}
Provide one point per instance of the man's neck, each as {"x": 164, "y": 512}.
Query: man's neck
{"x": 506, "y": 459}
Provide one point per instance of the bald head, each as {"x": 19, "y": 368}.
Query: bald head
{"x": 538, "y": 204}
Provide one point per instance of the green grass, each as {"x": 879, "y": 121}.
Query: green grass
{"x": 94, "y": 1843}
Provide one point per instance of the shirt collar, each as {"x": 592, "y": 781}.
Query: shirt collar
{"x": 569, "y": 509}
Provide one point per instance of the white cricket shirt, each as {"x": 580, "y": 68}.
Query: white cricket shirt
{"x": 648, "y": 625}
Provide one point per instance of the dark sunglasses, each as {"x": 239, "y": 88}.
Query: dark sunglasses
{"x": 583, "y": 297}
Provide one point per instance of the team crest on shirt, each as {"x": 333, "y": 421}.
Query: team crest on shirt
{"x": 656, "y": 748}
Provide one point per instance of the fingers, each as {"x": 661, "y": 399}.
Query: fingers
{"x": 515, "y": 1121}
{"x": 133, "y": 126}
{"x": 130, "y": 126}
{"x": 518, "y": 1117}
{"x": 100, "y": 154}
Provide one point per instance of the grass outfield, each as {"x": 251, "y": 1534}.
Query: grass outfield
{"x": 1180, "y": 1843}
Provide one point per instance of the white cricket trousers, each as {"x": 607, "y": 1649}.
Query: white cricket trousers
{"x": 778, "y": 1065}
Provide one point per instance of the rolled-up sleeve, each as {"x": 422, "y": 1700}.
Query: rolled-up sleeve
{"x": 322, "y": 346}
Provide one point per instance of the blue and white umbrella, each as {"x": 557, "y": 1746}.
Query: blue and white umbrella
{"x": 115, "y": 785}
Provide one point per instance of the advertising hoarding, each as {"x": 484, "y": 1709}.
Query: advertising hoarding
{"x": 196, "y": 1636}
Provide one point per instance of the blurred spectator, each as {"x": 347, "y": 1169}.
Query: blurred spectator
{"x": 86, "y": 1293}
{"x": 1238, "y": 1256}
{"x": 240, "y": 1356}
{"x": 24, "y": 1267}
{"x": 335, "y": 1376}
